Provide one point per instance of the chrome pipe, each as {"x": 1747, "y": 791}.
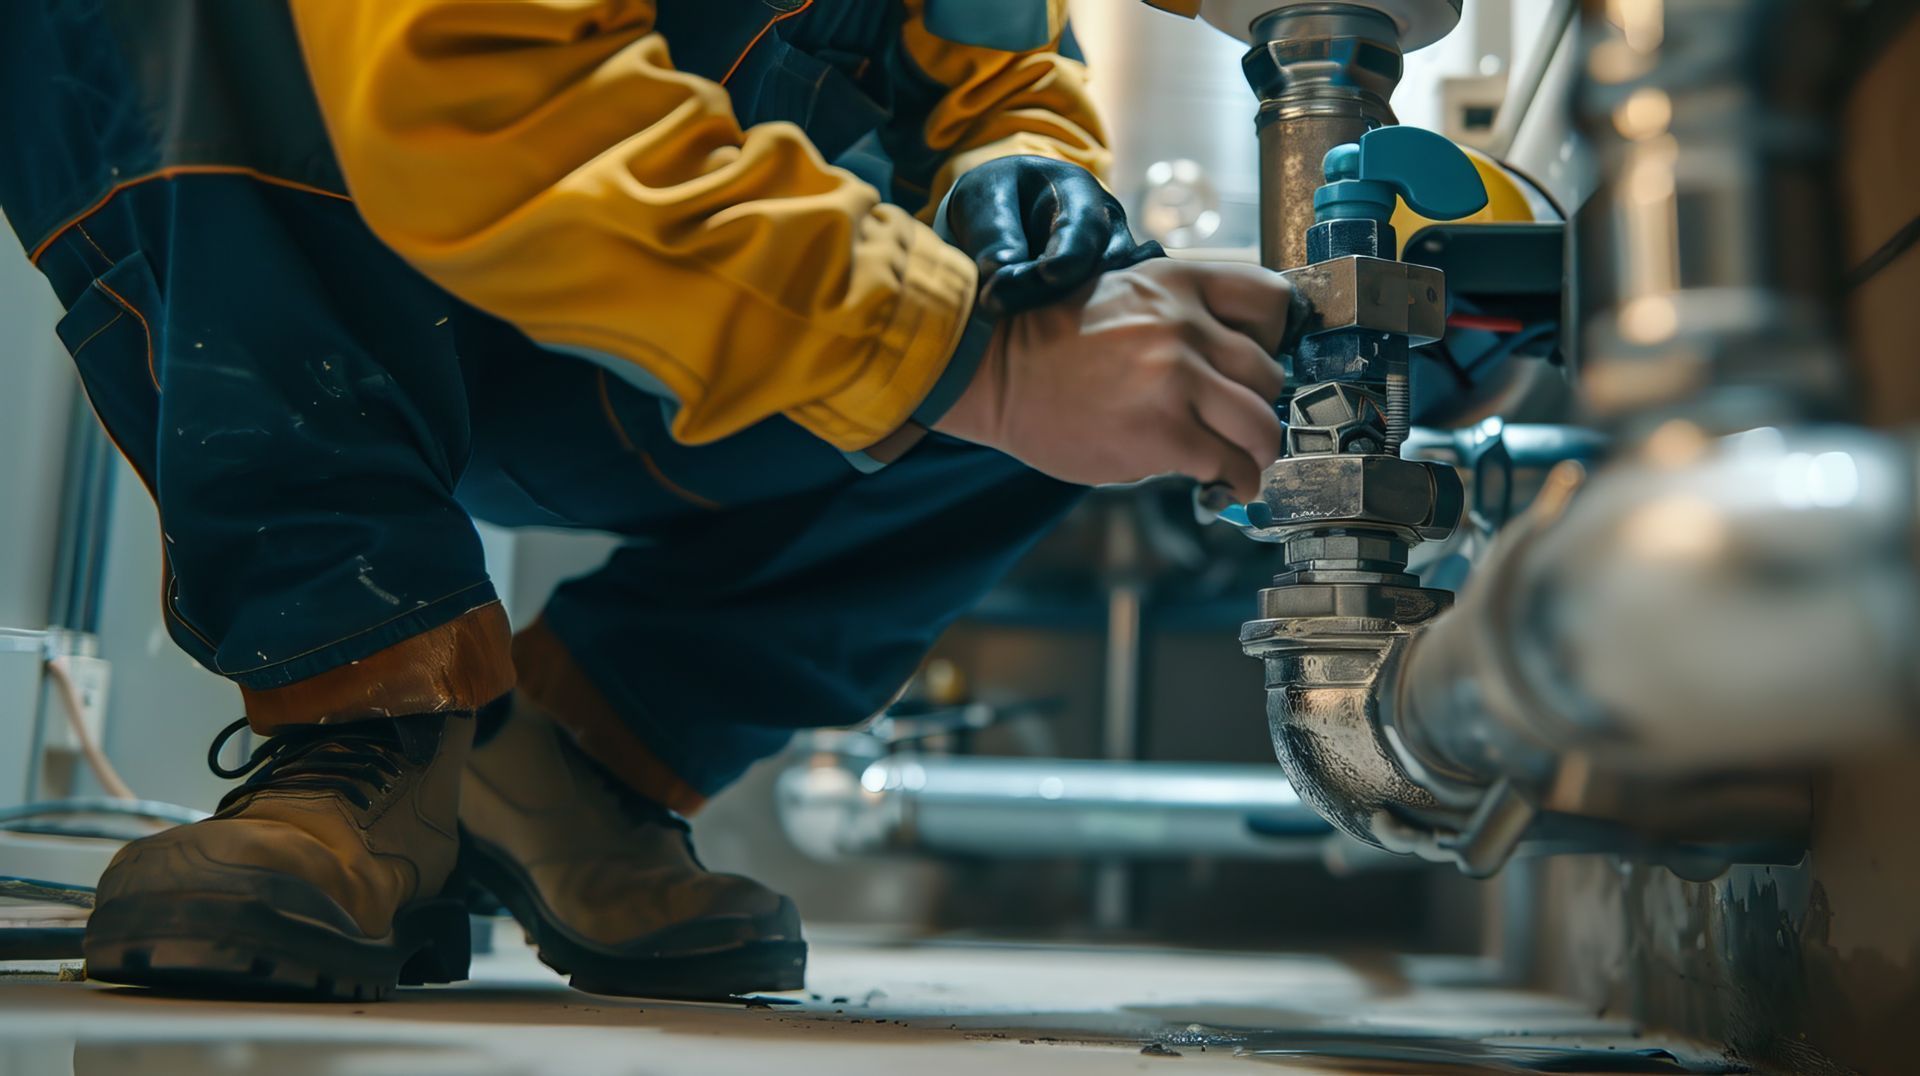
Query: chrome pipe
{"x": 833, "y": 806}
{"x": 1749, "y": 601}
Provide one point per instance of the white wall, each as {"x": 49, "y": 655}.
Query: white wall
{"x": 36, "y": 392}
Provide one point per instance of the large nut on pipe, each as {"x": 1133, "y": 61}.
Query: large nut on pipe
{"x": 1292, "y": 54}
{"x": 1421, "y": 500}
{"x": 1358, "y": 606}
{"x": 1417, "y": 23}
{"x": 1375, "y": 295}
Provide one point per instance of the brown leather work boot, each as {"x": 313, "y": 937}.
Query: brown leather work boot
{"x": 606, "y": 883}
{"x": 321, "y": 876}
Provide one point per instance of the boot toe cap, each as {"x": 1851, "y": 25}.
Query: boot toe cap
{"x": 280, "y": 866}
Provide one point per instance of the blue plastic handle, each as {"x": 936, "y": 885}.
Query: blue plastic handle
{"x": 1424, "y": 169}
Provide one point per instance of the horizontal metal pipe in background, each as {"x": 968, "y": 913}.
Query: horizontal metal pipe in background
{"x": 835, "y": 806}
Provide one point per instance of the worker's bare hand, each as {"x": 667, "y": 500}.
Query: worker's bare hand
{"x": 1162, "y": 368}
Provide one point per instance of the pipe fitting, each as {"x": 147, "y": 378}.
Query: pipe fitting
{"x": 1409, "y": 498}
{"x": 1326, "y": 670}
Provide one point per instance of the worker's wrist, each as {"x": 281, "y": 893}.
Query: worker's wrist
{"x": 961, "y": 367}
{"x": 975, "y": 341}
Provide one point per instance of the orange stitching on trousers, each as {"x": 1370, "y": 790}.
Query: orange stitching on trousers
{"x": 111, "y": 322}
{"x": 646, "y": 458}
{"x": 166, "y": 564}
{"x": 169, "y": 173}
{"x": 152, "y": 373}
{"x": 88, "y": 236}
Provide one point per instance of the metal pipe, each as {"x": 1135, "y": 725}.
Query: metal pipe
{"x": 1523, "y": 88}
{"x": 1750, "y": 602}
{"x": 1120, "y": 716}
{"x": 1324, "y": 74}
{"x": 1126, "y": 651}
{"x": 1323, "y": 711}
{"x": 833, "y": 806}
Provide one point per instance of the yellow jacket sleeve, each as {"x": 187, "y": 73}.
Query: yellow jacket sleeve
{"x": 995, "y": 103}
{"x": 543, "y": 160}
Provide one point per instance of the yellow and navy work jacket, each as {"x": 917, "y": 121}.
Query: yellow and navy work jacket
{"x": 724, "y": 200}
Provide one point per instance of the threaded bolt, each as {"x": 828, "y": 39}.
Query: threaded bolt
{"x": 1399, "y": 406}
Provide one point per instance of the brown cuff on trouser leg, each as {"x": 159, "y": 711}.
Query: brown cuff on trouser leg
{"x": 551, "y": 679}
{"x": 460, "y": 665}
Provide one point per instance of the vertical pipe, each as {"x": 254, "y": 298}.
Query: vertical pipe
{"x": 1291, "y": 149}
{"x": 1120, "y": 727}
{"x": 1120, "y": 733}
{"x": 1323, "y": 73}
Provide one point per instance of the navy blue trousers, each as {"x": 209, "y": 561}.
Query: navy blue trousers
{"x": 319, "y": 425}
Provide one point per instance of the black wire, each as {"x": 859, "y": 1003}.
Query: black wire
{"x": 1889, "y": 252}
{"x": 1500, "y": 352}
{"x": 1443, "y": 355}
{"x": 65, "y": 829}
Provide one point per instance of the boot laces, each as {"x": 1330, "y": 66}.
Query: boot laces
{"x": 643, "y": 811}
{"x": 357, "y": 760}
{"x": 637, "y": 809}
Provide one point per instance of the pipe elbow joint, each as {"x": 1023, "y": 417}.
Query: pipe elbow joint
{"x": 1329, "y": 686}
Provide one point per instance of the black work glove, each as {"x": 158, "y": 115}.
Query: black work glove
{"x": 1039, "y": 229}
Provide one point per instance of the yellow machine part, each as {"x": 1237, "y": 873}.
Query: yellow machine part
{"x": 1510, "y": 200}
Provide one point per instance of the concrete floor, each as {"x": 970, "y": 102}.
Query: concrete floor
{"x": 925, "y": 1008}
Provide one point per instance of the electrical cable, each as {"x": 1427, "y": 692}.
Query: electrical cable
{"x": 1888, "y": 253}
{"x": 75, "y": 831}
{"x": 1443, "y": 355}
{"x": 1505, "y": 349}
{"x": 14, "y": 887}
{"x": 103, "y": 770}
{"x": 150, "y": 809}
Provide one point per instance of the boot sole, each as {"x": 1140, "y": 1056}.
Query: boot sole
{"x": 236, "y": 947}
{"x": 719, "y": 970}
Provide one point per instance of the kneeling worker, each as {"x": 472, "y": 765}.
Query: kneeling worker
{"x": 819, "y": 305}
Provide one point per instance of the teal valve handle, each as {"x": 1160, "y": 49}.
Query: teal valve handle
{"x": 1424, "y": 169}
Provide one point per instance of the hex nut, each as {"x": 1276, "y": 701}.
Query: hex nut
{"x": 1361, "y": 601}
{"x": 1348, "y": 236}
{"x": 1373, "y": 295}
{"x": 1346, "y": 547}
{"x": 1421, "y": 498}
